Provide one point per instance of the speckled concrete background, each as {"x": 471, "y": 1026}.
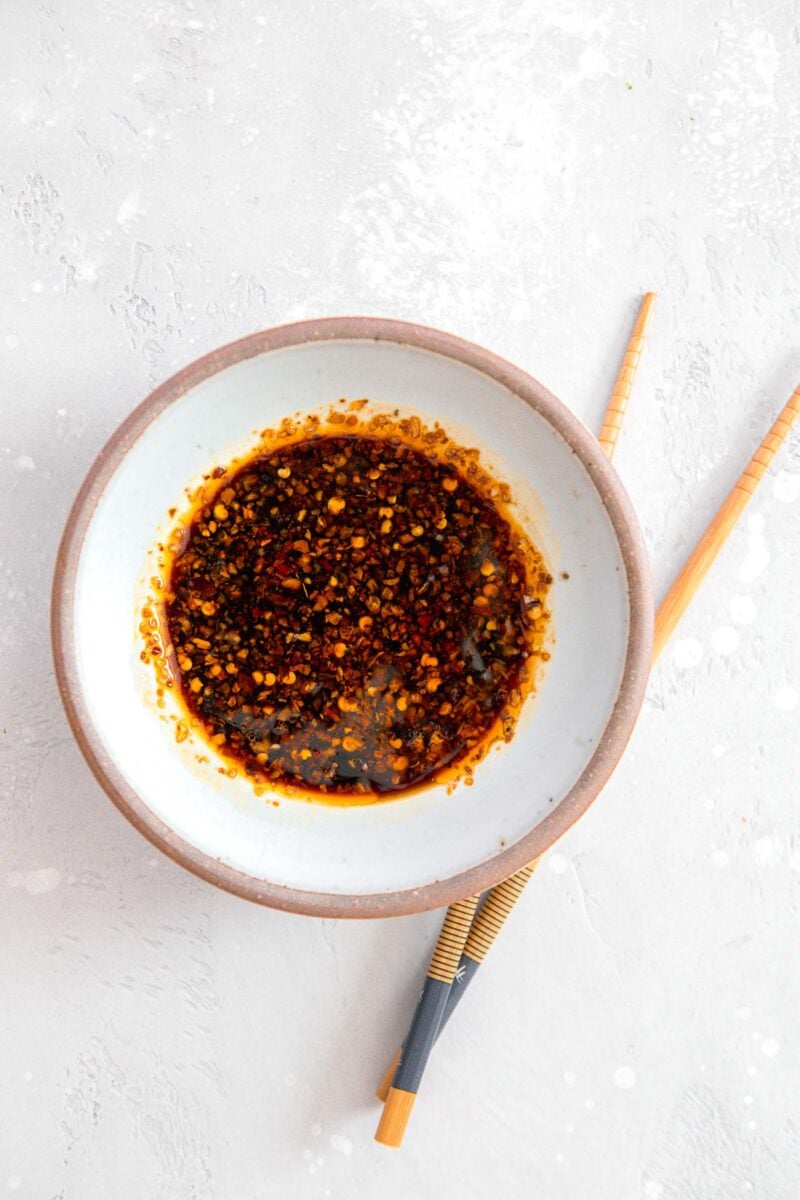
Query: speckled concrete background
{"x": 173, "y": 175}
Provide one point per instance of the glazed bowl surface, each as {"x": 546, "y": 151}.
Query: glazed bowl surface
{"x": 406, "y": 853}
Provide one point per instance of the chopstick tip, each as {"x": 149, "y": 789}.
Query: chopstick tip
{"x": 394, "y": 1118}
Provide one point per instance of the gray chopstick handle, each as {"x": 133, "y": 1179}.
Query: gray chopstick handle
{"x": 422, "y": 1035}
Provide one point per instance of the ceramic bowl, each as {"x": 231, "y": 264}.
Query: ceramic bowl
{"x": 400, "y": 855}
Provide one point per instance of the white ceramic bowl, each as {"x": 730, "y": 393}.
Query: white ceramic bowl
{"x": 399, "y": 855}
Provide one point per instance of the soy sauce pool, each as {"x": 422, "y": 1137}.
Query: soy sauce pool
{"x": 349, "y": 615}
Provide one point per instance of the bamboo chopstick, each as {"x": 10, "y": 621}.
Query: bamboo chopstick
{"x": 485, "y": 928}
{"x": 392, "y": 1090}
{"x": 615, "y": 413}
{"x": 410, "y": 1062}
{"x": 697, "y": 564}
{"x": 668, "y": 615}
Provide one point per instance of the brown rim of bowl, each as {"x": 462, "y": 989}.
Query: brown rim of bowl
{"x": 610, "y": 745}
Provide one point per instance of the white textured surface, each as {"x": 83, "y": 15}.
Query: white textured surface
{"x": 175, "y": 174}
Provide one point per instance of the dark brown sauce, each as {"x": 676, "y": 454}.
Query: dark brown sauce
{"x": 351, "y": 616}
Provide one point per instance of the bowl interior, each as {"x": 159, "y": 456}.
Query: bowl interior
{"x": 399, "y": 845}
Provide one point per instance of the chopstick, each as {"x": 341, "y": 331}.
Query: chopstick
{"x": 699, "y": 561}
{"x": 397, "y": 1090}
{"x": 485, "y": 928}
{"x": 668, "y": 615}
{"x": 615, "y": 413}
{"x": 409, "y": 1063}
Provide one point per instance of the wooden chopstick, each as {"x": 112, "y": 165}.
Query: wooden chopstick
{"x": 410, "y": 1063}
{"x": 485, "y": 928}
{"x": 697, "y": 564}
{"x": 615, "y": 413}
{"x": 669, "y": 614}
{"x": 398, "y": 1088}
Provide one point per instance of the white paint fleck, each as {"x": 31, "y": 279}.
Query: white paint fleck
{"x": 768, "y": 850}
{"x": 625, "y": 1078}
{"x": 12, "y": 341}
{"x": 687, "y": 653}
{"x": 743, "y": 1013}
{"x": 751, "y": 1125}
{"x": 128, "y": 209}
{"x": 786, "y": 487}
{"x": 557, "y": 863}
{"x": 61, "y": 412}
{"x": 718, "y": 750}
{"x": 47, "y": 879}
{"x": 35, "y": 883}
{"x": 570, "y": 1077}
{"x": 13, "y": 1182}
{"x": 559, "y": 1157}
{"x": 290, "y": 1079}
{"x": 752, "y": 1071}
{"x": 569, "y": 1127}
{"x": 785, "y": 698}
{"x": 757, "y": 559}
{"x": 308, "y": 1154}
{"x": 340, "y": 1144}
{"x": 770, "y": 1046}
{"x": 742, "y": 609}
{"x": 747, "y": 1099}
{"x": 719, "y": 858}
{"x": 316, "y": 1130}
{"x": 725, "y": 639}
{"x": 794, "y": 860}
{"x": 652, "y": 1189}
{"x": 28, "y": 1076}
{"x": 24, "y": 463}
{"x": 589, "y": 1103}
{"x": 37, "y": 286}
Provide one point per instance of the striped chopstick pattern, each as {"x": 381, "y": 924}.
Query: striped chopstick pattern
{"x": 755, "y": 469}
{"x": 496, "y": 909}
{"x": 449, "y": 947}
{"x": 615, "y": 413}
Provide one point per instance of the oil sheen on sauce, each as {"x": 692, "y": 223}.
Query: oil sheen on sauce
{"x": 351, "y": 616}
